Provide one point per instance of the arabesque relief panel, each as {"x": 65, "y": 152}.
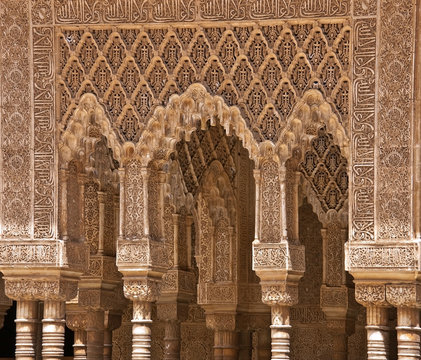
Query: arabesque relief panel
{"x": 134, "y": 70}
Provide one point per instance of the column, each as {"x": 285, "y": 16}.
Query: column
{"x": 26, "y": 329}
{"x": 77, "y": 321}
{"x": 377, "y": 333}
{"x": 225, "y": 345}
{"x": 101, "y": 222}
{"x": 112, "y": 322}
{"x": 172, "y": 340}
{"x": 245, "y": 346}
{"x": 64, "y": 175}
{"x": 141, "y": 330}
{"x": 280, "y": 331}
{"x": 340, "y": 339}
{"x": 121, "y": 177}
{"x": 263, "y": 346}
{"x": 408, "y": 333}
{"x": 79, "y": 346}
{"x": 95, "y": 334}
{"x": 53, "y": 326}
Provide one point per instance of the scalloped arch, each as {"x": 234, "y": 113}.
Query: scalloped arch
{"x": 75, "y": 140}
{"x": 311, "y": 112}
{"x": 187, "y": 112}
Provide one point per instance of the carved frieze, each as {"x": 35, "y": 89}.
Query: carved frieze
{"x": 136, "y": 11}
{"x": 279, "y": 256}
{"x": 363, "y": 130}
{"x": 382, "y": 257}
{"x": 29, "y": 289}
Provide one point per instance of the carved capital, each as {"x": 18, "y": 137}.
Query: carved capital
{"x": 26, "y": 289}
{"x": 221, "y": 322}
{"x": 173, "y": 311}
{"x": 408, "y": 295}
{"x": 279, "y": 294}
{"x": 76, "y": 320}
{"x": 334, "y": 301}
{"x": 145, "y": 289}
{"x": 370, "y": 294}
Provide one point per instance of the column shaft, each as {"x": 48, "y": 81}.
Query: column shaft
{"x": 225, "y": 345}
{"x": 141, "y": 330}
{"x": 377, "y": 333}
{"x": 263, "y": 344}
{"x": 244, "y": 352}
{"x": 95, "y": 335}
{"x": 408, "y": 333}
{"x": 172, "y": 340}
{"x": 280, "y": 331}
{"x": 26, "y": 329}
{"x": 108, "y": 344}
{"x": 79, "y": 346}
{"x": 53, "y": 326}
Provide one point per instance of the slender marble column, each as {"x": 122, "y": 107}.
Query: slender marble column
{"x": 408, "y": 332}
{"x": 280, "y": 331}
{"x": 377, "y": 333}
{"x": 26, "y": 329}
{"x": 53, "y": 326}
{"x": 225, "y": 345}
{"x": 141, "y": 330}
{"x": 172, "y": 340}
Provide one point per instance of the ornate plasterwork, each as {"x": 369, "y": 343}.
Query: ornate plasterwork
{"x": 278, "y": 256}
{"x": 394, "y": 141}
{"x": 135, "y": 70}
{"x": 16, "y": 131}
{"x": 382, "y": 257}
{"x": 29, "y": 289}
{"x": 363, "y": 127}
{"x": 133, "y": 11}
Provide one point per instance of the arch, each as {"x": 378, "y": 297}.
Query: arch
{"x": 309, "y": 114}
{"x": 186, "y": 113}
{"x": 84, "y": 129}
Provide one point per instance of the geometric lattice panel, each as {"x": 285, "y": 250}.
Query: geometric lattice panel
{"x": 261, "y": 69}
{"x": 326, "y": 170}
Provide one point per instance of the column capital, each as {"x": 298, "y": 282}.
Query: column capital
{"x": 274, "y": 293}
{"x": 221, "y": 321}
{"x": 371, "y": 294}
{"x": 408, "y": 295}
{"x": 141, "y": 289}
{"x": 76, "y": 320}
